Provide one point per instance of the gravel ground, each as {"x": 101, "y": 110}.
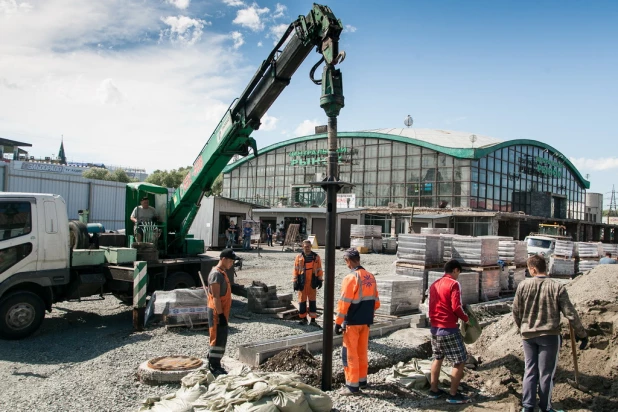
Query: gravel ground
{"x": 85, "y": 356}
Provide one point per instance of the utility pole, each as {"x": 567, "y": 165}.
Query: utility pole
{"x": 612, "y": 205}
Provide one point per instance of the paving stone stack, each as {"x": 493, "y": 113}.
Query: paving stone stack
{"x": 561, "y": 267}
{"x": 391, "y": 246}
{"x": 489, "y": 284}
{"x": 447, "y": 242}
{"x": 420, "y": 249}
{"x": 563, "y": 248}
{"x": 399, "y": 295}
{"x": 521, "y": 253}
{"x": 506, "y": 250}
{"x": 587, "y": 264}
{"x": 586, "y": 250}
{"x": 516, "y": 276}
{"x": 610, "y": 248}
{"x": 262, "y": 299}
{"x": 369, "y": 236}
{"x": 480, "y": 251}
{"x": 469, "y": 282}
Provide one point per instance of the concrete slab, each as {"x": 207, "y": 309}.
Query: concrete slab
{"x": 254, "y": 354}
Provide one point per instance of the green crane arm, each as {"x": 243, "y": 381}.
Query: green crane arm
{"x": 318, "y": 29}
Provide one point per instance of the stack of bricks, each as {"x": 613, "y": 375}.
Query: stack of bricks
{"x": 267, "y": 301}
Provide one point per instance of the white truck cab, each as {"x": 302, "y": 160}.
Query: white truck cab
{"x": 34, "y": 257}
{"x": 540, "y": 245}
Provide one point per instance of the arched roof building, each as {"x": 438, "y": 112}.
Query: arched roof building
{"x": 422, "y": 167}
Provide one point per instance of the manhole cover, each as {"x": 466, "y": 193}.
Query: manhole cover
{"x": 175, "y": 363}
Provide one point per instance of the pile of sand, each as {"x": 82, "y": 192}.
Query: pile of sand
{"x": 595, "y": 295}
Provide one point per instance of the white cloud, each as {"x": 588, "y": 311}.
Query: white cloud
{"x": 234, "y": 3}
{"x": 238, "y": 39}
{"x": 349, "y": 28}
{"x": 268, "y": 123}
{"x": 183, "y": 29}
{"x": 279, "y": 11}
{"x": 276, "y": 32}
{"x": 148, "y": 93}
{"x": 306, "y": 128}
{"x": 251, "y": 17}
{"x": 108, "y": 93}
{"x": 181, "y": 4}
{"x": 604, "y": 163}
{"x": 9, "y": 7}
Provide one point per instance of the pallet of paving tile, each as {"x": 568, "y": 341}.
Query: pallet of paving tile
{"x": 475, "y": 251}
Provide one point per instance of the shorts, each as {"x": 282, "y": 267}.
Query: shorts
{"x": 450, "y": 346}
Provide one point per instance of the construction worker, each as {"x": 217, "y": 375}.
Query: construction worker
{"x": 445, "y": 310}
{"x": 355, "y": 309}
{"x": 219, "y": 304}
{"x": 537, "y": 306}
{"x": 308, "y": 276}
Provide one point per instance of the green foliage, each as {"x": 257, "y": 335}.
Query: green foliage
{"x": 99, "y": 173}
{"x": 217, "y": 186}
{"x": 172, "y": 178}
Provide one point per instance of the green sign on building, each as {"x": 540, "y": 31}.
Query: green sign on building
{"x": 317, "y": 157}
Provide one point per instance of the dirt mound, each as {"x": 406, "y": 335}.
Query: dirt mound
{"x": 297, "y": 360}
{"x": 500, "y": 351}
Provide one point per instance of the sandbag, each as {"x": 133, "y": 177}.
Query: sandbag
{"x": 416, "y": 374}
{"x": 472, "y": 330}
{"x": 263, "y": 405}
{"x": 318, "y": 400}
{"x": 290, "y": 400}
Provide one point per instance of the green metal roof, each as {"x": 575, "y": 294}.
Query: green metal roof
{"x": 461, "y": 153}
{"x": 148, "y": 188}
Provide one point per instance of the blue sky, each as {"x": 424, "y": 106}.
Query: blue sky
{"x": 144, "y": 82}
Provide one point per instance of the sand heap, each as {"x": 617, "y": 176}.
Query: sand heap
{"x": 595, "y": 295}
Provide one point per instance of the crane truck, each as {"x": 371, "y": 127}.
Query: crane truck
{"x": 45, "y": 258}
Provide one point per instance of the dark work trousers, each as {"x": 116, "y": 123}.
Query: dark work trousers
{"x": 541, "y": 360}
{"x": 218, "y": 339}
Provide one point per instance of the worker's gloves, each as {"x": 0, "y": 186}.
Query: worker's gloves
{"x": 296, "y": 285}
{"x": 316, "y": 283}
{"x": 338, "y": 329}
{"x": 584, "y": 342}
{"x": 222, "y": 320}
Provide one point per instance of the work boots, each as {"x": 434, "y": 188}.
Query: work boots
{"x": 314, "y": 323}
{"x": 303, "y": 322}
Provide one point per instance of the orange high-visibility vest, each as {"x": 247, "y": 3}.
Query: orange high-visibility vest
{"x": 359, "y": 298}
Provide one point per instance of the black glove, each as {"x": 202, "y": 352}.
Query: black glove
{"x": 338, "y": 329}
{"x": 295, "y": 285}
{"x": 319, "y": 283}
{"x": 222, "y": 320}
{"x": 584, "y": 342}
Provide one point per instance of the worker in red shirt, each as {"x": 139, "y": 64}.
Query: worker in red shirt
{"x": 445, "y": 309}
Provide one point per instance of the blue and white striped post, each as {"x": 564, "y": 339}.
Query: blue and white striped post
{"x": 140, "y": 283}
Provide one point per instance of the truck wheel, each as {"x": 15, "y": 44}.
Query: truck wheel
{"x": 179, "y": 280}
{"x": 78, "y": 232}
{"x": 21, "y": 313}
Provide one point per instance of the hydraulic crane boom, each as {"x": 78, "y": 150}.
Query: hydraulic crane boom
{"x": 320, "y": 28}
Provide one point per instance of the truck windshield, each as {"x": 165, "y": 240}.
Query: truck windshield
{"x": 540, "y": 243}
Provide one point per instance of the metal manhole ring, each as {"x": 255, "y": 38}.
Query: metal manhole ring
{"x": 175, "y": 363}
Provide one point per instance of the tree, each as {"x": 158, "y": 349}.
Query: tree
{"x": 217, "y": 186}
{"x": 172, "y": 178}
{"x": 98, "y": 173}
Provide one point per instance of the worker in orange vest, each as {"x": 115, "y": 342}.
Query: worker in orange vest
{"x": 308, "y": 276}
{"x": 355, "y": 309}
{"x": 219, "y": 305}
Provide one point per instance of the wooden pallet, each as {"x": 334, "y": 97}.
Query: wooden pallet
{"x": 480, "y": 268}
{"x": 194, "y": 326}
{"x": 292, "y": 237}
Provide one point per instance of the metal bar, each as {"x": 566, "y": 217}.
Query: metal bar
{"x": 331, "y": 229}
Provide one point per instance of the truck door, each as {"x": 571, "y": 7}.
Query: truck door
{"x": 54, "y": 254}
{"x": 18, "y": 237}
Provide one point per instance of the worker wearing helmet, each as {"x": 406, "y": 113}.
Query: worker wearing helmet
{"x": 219, "y": 305}
{"x": 308, "y": 276}
{"x": 358, "y": 302}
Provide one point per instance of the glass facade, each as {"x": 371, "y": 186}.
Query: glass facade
{"x": 516, "y": 178}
